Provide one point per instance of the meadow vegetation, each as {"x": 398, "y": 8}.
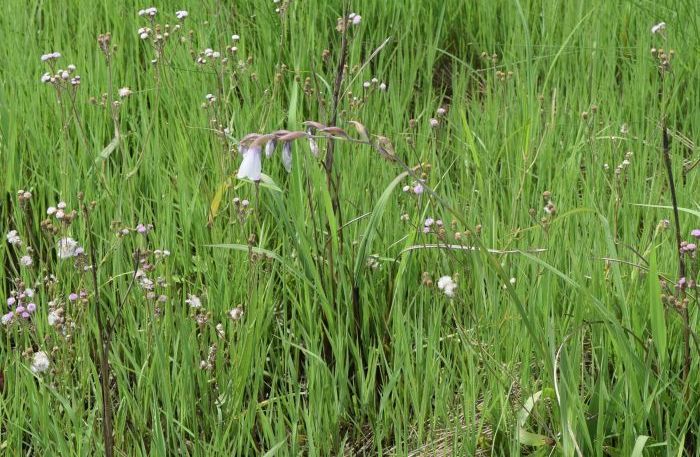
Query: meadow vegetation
{"x": 310, "y": 227}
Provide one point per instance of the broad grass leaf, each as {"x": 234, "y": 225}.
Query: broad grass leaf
{"x": 639, "y": 446}
{"x": 109, "y": 149}
{"x": 656, "y": 310}
{"x": 371, "y": 230}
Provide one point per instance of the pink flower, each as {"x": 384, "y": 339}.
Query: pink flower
{"x": 144, "y": 229}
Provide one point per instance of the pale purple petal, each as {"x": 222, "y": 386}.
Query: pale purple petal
{"x": 314, "y": 146}
{"x": 270, "y": 148}
{"x": 287, "y": 156}
{"x": 251, "y": 167}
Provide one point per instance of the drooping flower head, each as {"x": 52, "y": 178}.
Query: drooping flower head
{"x": 287, "y": 138}
{"x": 250, "y": 148}
{"x": 311, "y": 127}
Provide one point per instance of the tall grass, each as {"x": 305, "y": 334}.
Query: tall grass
{"x": 346, "y": 345}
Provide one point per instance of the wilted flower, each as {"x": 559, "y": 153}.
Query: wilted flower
{"x": 161, "y": 253}
{"x": 682, "y": 283}
{"x": 150, "y": 12}
{"x": 193, "y": 301}
{"x": 236, "y": 313}
{"x": 54, "y": 318}
{"x": 447, "y": 285}
{"x": 7, "y": 318}
{"x": 143, "y": 229}
{"x": 40, "y": 362}
{"x": 50, "y": 56}
{"x": 13, "y": 238}
{"x": 68, "y": 247}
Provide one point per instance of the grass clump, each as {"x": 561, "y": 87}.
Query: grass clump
{"x": 479, "y": 238}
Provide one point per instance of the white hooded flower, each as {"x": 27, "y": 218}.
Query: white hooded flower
{"x": 40, "y": 362}
{"x": 287, "y": 156}
{"x": 270, "y": 148}
{"x": 251, "y": 167}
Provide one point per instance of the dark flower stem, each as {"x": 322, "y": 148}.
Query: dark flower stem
{"x": 104, "y": 339}
{"x": 331, "y": 183}
{"x": 666, "y": 151}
